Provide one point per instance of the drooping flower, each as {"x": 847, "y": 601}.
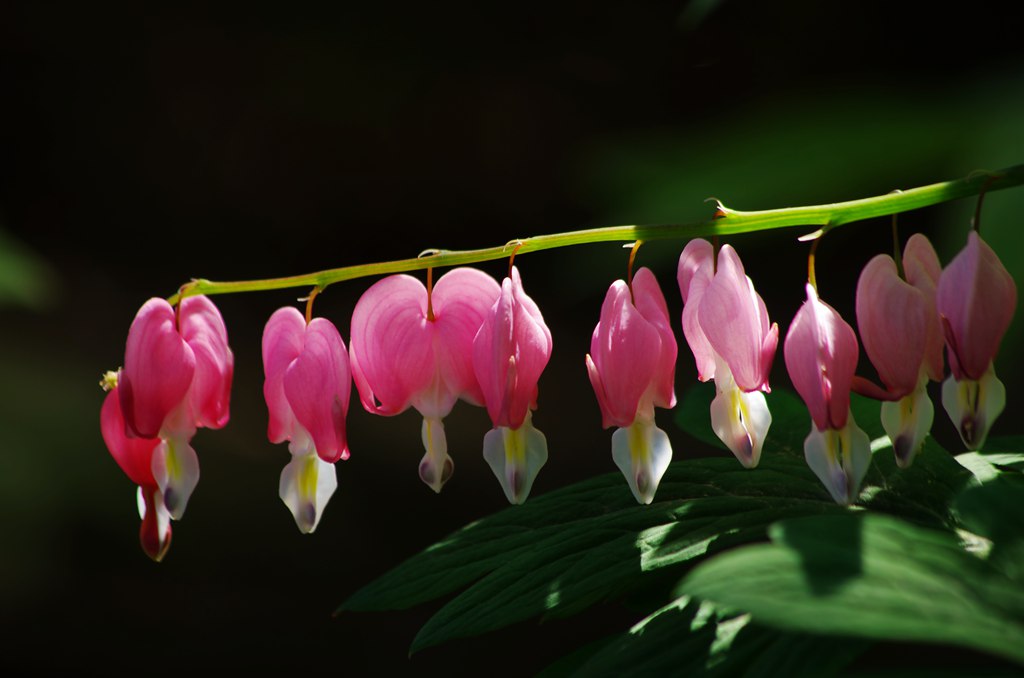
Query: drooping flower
{"x": 821, "y": 358}
{"x": 135, "y": 457}
{"x": 922, "y": 268}
{"x": 733, "y": 342}
{"x": 411, "y": 349}
{"x": 176, "y": 378}
{"x": 899, "y": 328}
{"x": 631, "y": 364}
{"x": 510, "y": 351}
{"x": 976, "y": 299}
{"x": 307, "y": 390}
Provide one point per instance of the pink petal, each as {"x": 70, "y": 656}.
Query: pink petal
{"x": 625, "y": 354}
{"x": 892, "y": 322}
{"x": 821, "y": 357}
{"x": 133, "y": 455}
{"x": 391, "y": 349}
{"x": 976, "y": 299}
{"x": 158, "y": 369}
{"x": 696, "y": 268}
{"x": 461, "y": 300}
{"x": 317, "y": 385}
{"x": 650, "y": 302}
{"x": 510, "y": 351}
{"x": 203, "y": 330}
{"x": 283, "y": 338}
{"x": 735, "y": 321}
{"x": 921, "y": 266}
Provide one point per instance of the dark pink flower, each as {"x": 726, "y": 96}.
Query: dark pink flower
{"x": 135, "y": 457}
{"x": 401, "y": 356}
{"x": 510, "y": 351}
{"x": 177, "y": 377}
{"x": 307, "y": 390}
{"x": 632, "y": 364}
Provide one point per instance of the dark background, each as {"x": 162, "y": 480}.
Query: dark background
{"x": 140, "y": 149}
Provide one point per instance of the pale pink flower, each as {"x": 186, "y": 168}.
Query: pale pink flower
{"x": 510, "y": 351}
{"x": 922, "y": 268}
{"x": 899, "y": 328}
{"x": 307, "y": 390}
{"x": 401, "y": 357}
{"x": 631, "y": 364}
{"x": 726, "y": 325}
{"x": 695, "y": 272}
{"x": 821, "y": 357}
{"x": 176, "y": 378}
{"x": 976, "y": 299}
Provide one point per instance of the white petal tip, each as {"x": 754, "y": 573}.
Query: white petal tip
{"x": 307, "y": 484}
{"x": 176, "y": 470}
{"x": 840, "y": 460}
{"x": 642, "y": 452}
{"x": 973, "y": 406}
{"x": 516, "y": 456}
{"x": 741, "y": 421}
{"x": 436, "y": 467}
{"x": 435, "y": 473}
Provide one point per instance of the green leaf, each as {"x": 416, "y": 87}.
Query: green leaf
{"x": 692, "y": 639}
{"x": 868, "y": 576}
{"x": 993, "y": 510}
{"x": 565, "y": 551}
{"x": 1005, "y": 452}
{"x": 1001, "y": 455}
{"x": 923, "y": 493}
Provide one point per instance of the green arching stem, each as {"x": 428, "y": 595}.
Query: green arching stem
{"x": 725, "y": 222}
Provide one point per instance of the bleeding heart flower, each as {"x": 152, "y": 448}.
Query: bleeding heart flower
{"x": 900, "y": 331}
{"x": 176, "y": 377}
{"x": 922, "y": 268}
{"x": 408, "y": 348}
{"x": 695, "y": 272}
{"x": 510, "y": 351}
{"x": 726, "y": 325}
{"x": 976, "y": 299}
{"x": 135, "y": 457}
{"x": 632, "y": 364}
{"x": 821, "y": 357}
{"x": 307, "y": 390}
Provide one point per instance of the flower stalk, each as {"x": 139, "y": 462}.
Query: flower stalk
{"x": 725, "y": 221}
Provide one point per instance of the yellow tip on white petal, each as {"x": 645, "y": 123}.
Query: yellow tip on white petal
{"x": 516, "y": 456}
{"x": 176, "y": 470}
{"x": 741, "y": 421}
{"x": 642, "y": 452}
{"x": 840, "y": 458}
{"x": 307, "y": 484}
{"x": 907, "y": 422}
{"x": 973, "y": 406}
